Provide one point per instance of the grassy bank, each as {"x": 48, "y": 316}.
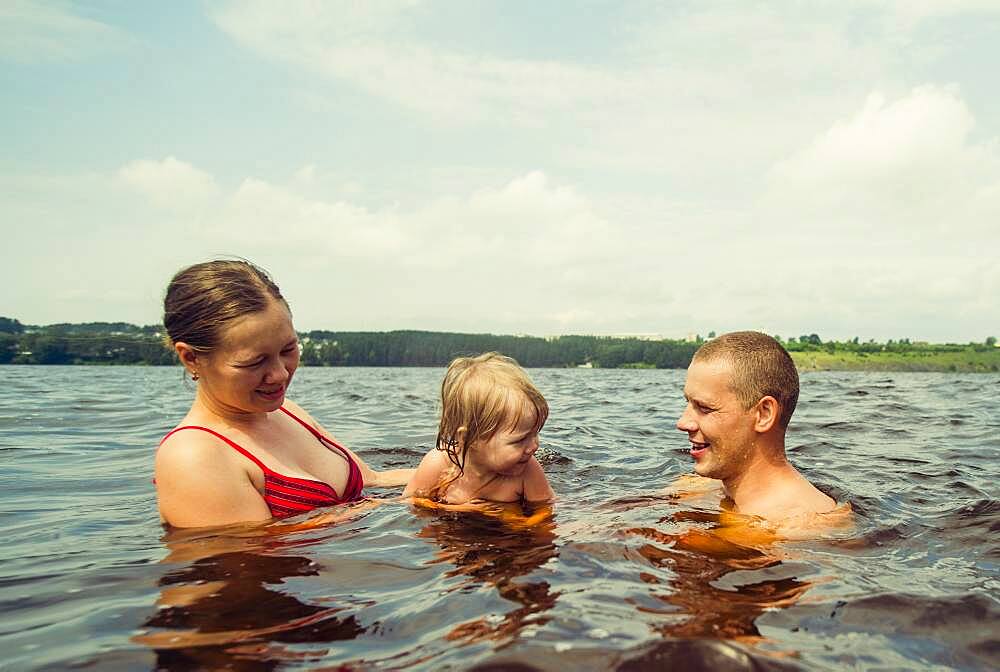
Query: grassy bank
{"x": 969, "y": 361}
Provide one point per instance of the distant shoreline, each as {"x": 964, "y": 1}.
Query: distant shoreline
{"x": 803, "y": 364}
{"x": 119, "y": 343}
{"x": 967, "y": 361}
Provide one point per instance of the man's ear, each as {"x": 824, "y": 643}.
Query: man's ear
{"x": 768, "y": 410}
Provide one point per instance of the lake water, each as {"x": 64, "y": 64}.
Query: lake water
{"x": 89, "y": 579}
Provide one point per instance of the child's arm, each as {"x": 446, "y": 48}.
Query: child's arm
{"x": 536, "y": 486}
{"x": 428, "y": 474}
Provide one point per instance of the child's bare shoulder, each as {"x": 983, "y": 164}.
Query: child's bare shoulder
{"x": 435, "y": 459}
{"x": 428, "y": 474}
{"x": 536, "y": 486}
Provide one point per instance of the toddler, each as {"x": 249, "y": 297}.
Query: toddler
{"x": 490, "y": 418}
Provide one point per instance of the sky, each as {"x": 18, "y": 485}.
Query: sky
{"x": 515, "y": 167}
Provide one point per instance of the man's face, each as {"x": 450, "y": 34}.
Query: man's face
{"x": 720, "y": 430}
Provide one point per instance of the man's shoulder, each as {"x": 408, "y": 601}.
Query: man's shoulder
{"x": 692, "y": 485}
{"x": 799, "y": 499}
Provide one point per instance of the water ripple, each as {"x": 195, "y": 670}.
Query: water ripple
{"x": 617, "y": 580}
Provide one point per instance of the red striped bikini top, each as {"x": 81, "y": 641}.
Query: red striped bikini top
{"x": 288, "y": 495}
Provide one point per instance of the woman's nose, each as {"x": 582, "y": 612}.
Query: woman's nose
{"x": 277, "y": 373}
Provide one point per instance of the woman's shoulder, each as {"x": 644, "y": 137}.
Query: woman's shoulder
{"x": 188, "y": 443}
{"x": 200, "y": 480}
{"x": 299, "y": 412}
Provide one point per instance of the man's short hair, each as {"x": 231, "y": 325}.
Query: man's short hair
{"x": 761, "y": 367}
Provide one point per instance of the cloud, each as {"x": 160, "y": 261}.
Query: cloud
{"x": 926, "y": 127}
{"x": 279, "y": 216}
{"x": 692, "y": 94}
{"x": 372, "y": 46}
{"x": 531, "y": 254}
{"x": 909, "y": 162}
{"x": 888, "y": 211}
{"x": 499, "y": 257}
{"x": 39, "y": 31}
{"x": 169, "y": 183}
{"x": 921, "y": 10}
{"x": 542, "y": 224}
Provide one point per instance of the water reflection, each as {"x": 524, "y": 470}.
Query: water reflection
{"x": 700, "y": 548}
{"x": 225, "y": 606}
{"x": 496, "y": 550}
{"x": 915, "y": 587}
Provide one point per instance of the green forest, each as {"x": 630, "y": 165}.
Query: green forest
{"x": 99, "y": 343}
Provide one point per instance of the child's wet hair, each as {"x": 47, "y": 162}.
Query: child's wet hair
{"x": 484, "y": 394}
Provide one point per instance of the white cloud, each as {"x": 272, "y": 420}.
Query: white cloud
{"x": 369, "y": 45}
{"x": 695, "y": 93}
{"x": 529, "y": 255}
{"x": 169, "y": 183}
{"x": 277, "y": 216}
{"x": 679, "y": 168}
{"x": 920, "y": 10}
{"x": 536, "y": 223}
{"x": 926, "y": 127}
{"x": 49, "y": 31}
{"x": 908, "y": 163}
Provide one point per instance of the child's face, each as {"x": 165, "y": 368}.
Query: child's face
{"x": 510, "y": 449}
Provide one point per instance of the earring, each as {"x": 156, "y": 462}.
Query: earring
{"x": 194, "y": 375}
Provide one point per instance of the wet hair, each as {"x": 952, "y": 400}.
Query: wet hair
{"x": 484, "y": 394}
{"x": 760, "y": 368}
{"x": 203, "y": 299}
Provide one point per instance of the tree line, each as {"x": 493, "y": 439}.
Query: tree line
{"x": 428, "y": 348}
{"x": 123, "y": 343}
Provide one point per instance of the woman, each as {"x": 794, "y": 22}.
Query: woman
{"x": 244, "y": 452}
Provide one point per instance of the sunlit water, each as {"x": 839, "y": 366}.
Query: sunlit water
{"x": 89, "y": 579}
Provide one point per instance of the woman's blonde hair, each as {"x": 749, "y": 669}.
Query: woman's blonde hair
{"x": 483, "y": 395}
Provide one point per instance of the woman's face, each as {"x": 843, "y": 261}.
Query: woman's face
{"x": 250, "y": 370}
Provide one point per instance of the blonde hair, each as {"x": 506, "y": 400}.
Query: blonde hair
{"x": 483, "y": 395}
{"x": 760, "y": 368}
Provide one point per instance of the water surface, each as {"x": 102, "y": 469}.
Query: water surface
{"x": 89, "y": 579}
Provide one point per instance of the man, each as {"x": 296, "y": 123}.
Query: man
{"x": 741, "y": 390}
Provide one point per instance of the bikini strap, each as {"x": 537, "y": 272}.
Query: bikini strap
{"x": 246, "y": 453}
{"x": 315, "y": 432}
{"x": 355, "y": 475}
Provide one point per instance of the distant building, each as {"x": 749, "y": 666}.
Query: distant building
{"x": 638, "y": 337}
